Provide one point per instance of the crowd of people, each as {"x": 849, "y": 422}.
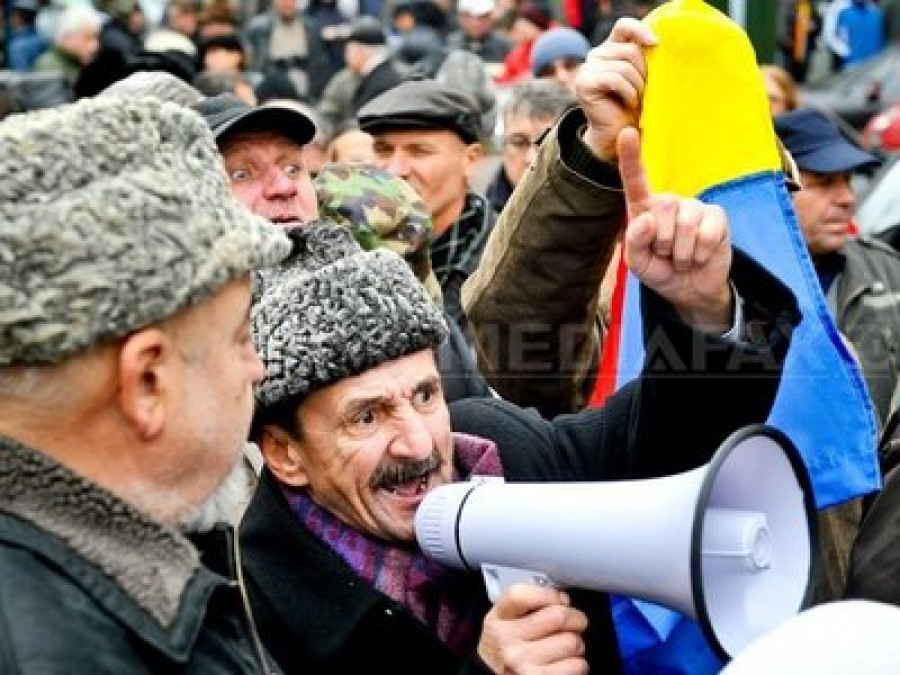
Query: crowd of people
{"x": 255, "y": 305}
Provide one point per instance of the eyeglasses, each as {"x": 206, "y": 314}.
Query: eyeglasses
{"x": 523, "y": 142}
{"x": 518, "y": 142}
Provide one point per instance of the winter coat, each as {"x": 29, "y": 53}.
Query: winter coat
{"x": 454, "y": 262}
{"x": 460, "y": 377}
{"x": 317, "y": 64}
{"x": 874, "y": 571}
{"x": 382, "y": 77}
{"x": 865, "y": 301}
{"x": 533, "y": 302}
{"x": 91, "y": 585}
{"x": 317, "y": 616}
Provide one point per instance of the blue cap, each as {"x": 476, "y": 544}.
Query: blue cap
{"x": 558, "y": 43}
{"x": 817, "y": 144}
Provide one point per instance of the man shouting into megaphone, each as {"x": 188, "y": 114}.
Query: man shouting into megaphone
{"x": 355, "y": 431}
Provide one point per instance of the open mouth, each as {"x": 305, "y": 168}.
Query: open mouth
{"x": 411, "y": 489}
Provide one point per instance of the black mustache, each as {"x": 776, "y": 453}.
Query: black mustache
{"x": 389, "y": 476}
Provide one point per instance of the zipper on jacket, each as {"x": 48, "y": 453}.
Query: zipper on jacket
{"x": 261, "y": 657}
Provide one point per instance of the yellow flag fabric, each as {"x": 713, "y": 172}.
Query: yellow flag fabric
{"x": 703, "y": 68}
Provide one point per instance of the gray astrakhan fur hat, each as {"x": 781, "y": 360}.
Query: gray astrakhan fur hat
{"x": 114, "y": 214}
{"x": 333, "y": 311}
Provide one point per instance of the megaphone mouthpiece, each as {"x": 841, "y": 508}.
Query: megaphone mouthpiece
{"x": 741, "y": 536}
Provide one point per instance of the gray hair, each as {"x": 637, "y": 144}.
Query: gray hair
{"x": 76, "y": 18}
{"x": 538, "y": 99}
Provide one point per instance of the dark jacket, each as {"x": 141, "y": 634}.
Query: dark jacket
{"x": 874, "y": 572}
{"x": 493, "y": 48}
{"x": 499, "y": 190}
{"x": 90, "y": 585}
{"x": 317, "y": 64}
{"x": 382, "y": 77}
{"x": 317, "y": 616}
{"x": 865, "y": 301}
{"x": 460, "y": 377}
{"x": 535, "y": 303}
{"x": 456, "y": 253}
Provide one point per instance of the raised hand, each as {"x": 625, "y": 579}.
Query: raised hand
{"x": 610, "y": 85}
{"x": 678, "y": 247}
{"x": 533, "y": 629}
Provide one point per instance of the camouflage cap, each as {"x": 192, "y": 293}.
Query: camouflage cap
{"x": 382, "y": 211}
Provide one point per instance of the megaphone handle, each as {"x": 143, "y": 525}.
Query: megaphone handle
{"x": 498, "y": 578}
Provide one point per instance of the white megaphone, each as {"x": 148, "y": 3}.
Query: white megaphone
{"x": 730, "y": 543}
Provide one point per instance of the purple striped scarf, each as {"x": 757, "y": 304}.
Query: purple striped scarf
{"x": 450, "y": 602}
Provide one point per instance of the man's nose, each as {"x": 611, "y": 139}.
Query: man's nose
{"x": 412, "y": 439}
{"x": 279, "y": 185}
{"x": 397, "y": 165}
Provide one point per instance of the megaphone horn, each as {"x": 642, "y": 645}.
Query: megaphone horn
{"x": 729, "y": 544}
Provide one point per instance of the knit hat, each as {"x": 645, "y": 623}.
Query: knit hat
{"x": 333, "y": 311}
{"x": 558, "y": 43}
{"x": 382, "y": 211}
{"x": 114, "y": 214}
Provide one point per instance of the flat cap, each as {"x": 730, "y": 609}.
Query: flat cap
{"x": 367, "y": 30}
{"x": 423, "y": 104}
{"x": 114, "y": 214}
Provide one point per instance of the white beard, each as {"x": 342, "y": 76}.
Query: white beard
{"x": 226, "y": 504}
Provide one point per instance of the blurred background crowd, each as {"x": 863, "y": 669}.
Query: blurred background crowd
{"x": 333, "y": 56}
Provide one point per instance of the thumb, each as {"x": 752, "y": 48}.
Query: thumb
{"x": 631, "y": 169}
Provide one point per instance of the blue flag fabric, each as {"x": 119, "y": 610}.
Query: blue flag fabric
{"x": 822, "y": 405}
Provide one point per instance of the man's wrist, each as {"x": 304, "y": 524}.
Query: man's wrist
{"x": 601, "y": 147}
{"x": 719, "y": 317}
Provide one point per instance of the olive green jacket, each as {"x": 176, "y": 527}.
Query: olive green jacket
{"x": 534, "y": 304}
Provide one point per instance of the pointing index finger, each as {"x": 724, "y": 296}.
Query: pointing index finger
{"x": 631, "y": 169}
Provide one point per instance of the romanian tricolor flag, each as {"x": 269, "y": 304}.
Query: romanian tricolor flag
{"x": 707, "y": 132}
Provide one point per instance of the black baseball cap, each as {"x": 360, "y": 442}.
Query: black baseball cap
{"x": 226, "y": 115}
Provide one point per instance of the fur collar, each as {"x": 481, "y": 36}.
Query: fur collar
{"x": 151, "y": 563}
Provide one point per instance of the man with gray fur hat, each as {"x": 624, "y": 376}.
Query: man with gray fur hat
{"x": 355, "y": 431}
{"x": 126, "y": 378}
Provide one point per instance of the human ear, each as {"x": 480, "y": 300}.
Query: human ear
{"x": 145, "y": 380}
{"x": 283, "y": 456}
{"x": 474, "y": 153}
